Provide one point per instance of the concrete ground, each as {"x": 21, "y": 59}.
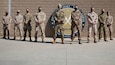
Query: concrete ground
{"x": 15, "y": 52}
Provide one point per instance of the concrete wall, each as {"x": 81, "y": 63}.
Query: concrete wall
{"x": 50, "y": 5}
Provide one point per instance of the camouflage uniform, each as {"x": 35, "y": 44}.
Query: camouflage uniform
{"x": 109, "y": 25}
{"x": 6, "y": 25}
{"x": 92, "y": 18}
{"x": 102, "y": 25}
{"x": 76, "y": 24}
{"x": 59, "y": 20}
{"x": 27, "y": 25}
{"x": 18, "y": 20}
{"x": 40, "y": 19}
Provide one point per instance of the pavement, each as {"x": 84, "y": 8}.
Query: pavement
{"x": 15, "y": 52}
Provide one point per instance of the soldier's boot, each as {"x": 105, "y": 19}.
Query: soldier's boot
{"x": 8, "y": 34}
{"x": 95, "y": 41}
{"x": 20, "y": 37}
{"x": 111, "y": 37}
{"x": 62, "y": 41}
{"x": 4, "y": 37}
{"x": 87, "y": 40}
{"x": 105, "y": 39}
{"x": 24, "y": 39}
{"x": 8, "y": 37}
{"x": 54, "y": 41}
{"x": 30, "y": 39}
{"x": 35, "y": 39}
{"x": 14, "y": 38}
{"x": 100, "y": 36}
{"x": 99, "y": 39}
{"x": 42, "y": 39}
{"x": 72, "y": 40}
{"x": 80, "y": 41}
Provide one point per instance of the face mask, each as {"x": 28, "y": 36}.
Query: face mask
{"x": 103, "y": 12}
{"x": 27, "y": 11}
{"x": 6, "y": 14}
{"x": 39, "y": 10}
{"x": 75, "y": 8}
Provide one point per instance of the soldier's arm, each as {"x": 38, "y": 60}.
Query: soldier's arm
{"x": 3, "y": 20}
{"x": 105, "y": 22}
{"x": 63, "y": 18}
{"x": 72, "y": 17}
{"x": 44, "y": 17}
{"x": 10, "y": 20}
{"x": 28, "y": 18}
{"x": 80, "y": 18}
{"x": 111, "y": 19}
{"x": 89, "y": 18}
{"x": 21, "y": 20}
{"x": 14, "y": 20}
{"x": 24, "y": 19}
{"x": 96, "y": 20}
{"x": 36, "y": 19}
{"x": 100, "y": 19}
{"x": 55, "y": 17}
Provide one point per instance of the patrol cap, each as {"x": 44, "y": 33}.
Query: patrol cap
{"x": 103, "y": 10}
{"x": 59, "y": 5}
{"x": 39, "y": 8}
{"x": 18, "y": 11}
{"x": 76, "y": 6}
{"x": 27, "y": 9}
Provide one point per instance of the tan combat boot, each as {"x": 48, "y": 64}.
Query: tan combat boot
{"x": 80, "y": 41}
{"x": 62, "y": 41}
{"x": 87, "y": 40}
{"x": 54, "y": 41}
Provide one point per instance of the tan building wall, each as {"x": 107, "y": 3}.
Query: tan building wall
{"x": 50, "y": 5}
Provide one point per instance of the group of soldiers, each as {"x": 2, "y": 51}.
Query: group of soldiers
{"x": 39, "y": 17}
{"x": 104, "y": 20}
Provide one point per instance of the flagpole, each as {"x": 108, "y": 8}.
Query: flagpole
{"x": 9, "y": 7}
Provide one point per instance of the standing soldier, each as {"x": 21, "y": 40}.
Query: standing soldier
{"x": 76, "y": 18}
{"x": 92, "y": 24}
{"x": 27, "y": 24}
{"x": 40, "y": 18}
{"x": 102, "y": 24}
{"x": 18, "y": 20}
{"x": 59, "y": 21}
{"x": 109, "y": 24}
{"x": 6, "y": 25}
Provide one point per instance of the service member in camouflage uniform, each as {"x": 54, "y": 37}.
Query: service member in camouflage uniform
{"x": 18, "y": 20}
{"x": 59, "y": 21}
{"x": 27, "y": 24}
{"x": 92, "y": 24}
{"x": 6, "y": 25}
{"x": 102, "y": 24}
{"x": 40, "y": 18}
{"x": 109, "y": 24}
{"x": 76, "y": 18}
